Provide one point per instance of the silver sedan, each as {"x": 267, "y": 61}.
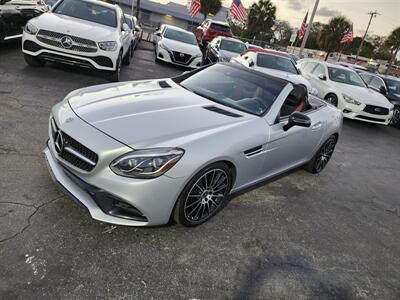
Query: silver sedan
{"x": 145, "y": 153}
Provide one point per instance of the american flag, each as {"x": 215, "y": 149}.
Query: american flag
{"x": 238, "y": 11}
{"x": 194, "y": 8}
{"x": 348, "y": 35}
{"x": 302, "y": 29}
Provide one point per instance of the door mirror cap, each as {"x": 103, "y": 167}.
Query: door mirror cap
{"x": 125, "y": 27}
{"x": 297, "y": 119}
{"x": 383, "y": 90}
{"x": 322, "y": 77}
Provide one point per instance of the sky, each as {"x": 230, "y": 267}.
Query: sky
{"x": 356, "y": 11}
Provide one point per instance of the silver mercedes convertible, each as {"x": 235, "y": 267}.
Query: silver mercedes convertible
{"x": 151, "y": 152}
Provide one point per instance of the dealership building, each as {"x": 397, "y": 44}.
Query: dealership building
{"x": 152, "y": 14}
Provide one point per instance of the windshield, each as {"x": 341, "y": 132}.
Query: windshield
{"x": 393, "y": 86}
{"x": 276, "y": 62}
{"x": 87, "y": 11}
{"x": 235, "y": 87}
{"x": 220, "y": 27}
{"x": 345, "y": 76}
{"x": 232, "y": 46}
{"x": 180, "y": 36}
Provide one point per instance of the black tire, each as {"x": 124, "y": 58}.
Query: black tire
{"x": 204, "y": 195}
{"x": 33, "y": 61}
{"x": 133, "y": 49}
{"x": 332, "y": 99}
{"x": 115, "y": 75}
{"x": 127, "y": 58}
{"x": 395, "y": 121}
{"x": 322, "y": 157}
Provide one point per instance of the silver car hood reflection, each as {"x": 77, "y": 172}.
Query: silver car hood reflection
{"x": 143, "y": 114}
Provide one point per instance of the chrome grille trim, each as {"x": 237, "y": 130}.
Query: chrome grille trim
{"x": 78, "y": 44}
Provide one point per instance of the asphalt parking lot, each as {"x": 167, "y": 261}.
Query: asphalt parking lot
{"x": 331, "y": 236}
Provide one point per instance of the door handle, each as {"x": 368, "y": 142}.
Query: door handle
{"x": 316, "y": 126}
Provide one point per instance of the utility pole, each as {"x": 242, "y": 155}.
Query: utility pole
{"x": 303, "y": 43}
{"x": 132, "y": 7}
{"x": 137, "y": 10}
{"x": 372, "y": 14}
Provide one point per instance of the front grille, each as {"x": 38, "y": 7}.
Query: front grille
{"x": 71, "y": 150}
{"x": 376, "y": 110}
{"x": 78, "y": 44}
{"x": 181, "y": 58}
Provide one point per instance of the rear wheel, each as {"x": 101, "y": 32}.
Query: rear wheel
{"x": 396, "y": 117}
{"x": 204, "y": 196}
{"x": 322, "y": 157}
{"x": 33, "y": 61}
{"x": 332, "y": 99}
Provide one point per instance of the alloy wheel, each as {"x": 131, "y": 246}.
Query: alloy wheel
{"x": 332, "y": 100}
{"x": 206, "y": 195}
{"x": 396, "y": 117}
{"x": 325, "y": 154}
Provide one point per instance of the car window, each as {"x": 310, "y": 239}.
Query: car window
{"x": 393, "y": 86}
{"x": 345, "y": 76}
{"x": 180, "y": 36}
{"x": 88, "y": 11}
{"x": 276, "y": 63}
{"x": 366, "y": 77}
{"x": 220, "y": 27}
{"x": 232, "y": 46}
{"x": 295, "y": 101}
{"x": 235, "y": 87}
{"x": 129, "y": 21}
{"x": 308, "y": 67}
{"x": 376, "y": 83}
{"x": 319, "y": 69}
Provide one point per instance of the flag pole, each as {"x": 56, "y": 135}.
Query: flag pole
{"x": 303, "y": 43}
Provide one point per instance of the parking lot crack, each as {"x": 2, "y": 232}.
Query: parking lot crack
{"x": 36, "y": 210}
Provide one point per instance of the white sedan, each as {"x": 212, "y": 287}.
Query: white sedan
{"x": 273, "y": 63}
{"x": 344, "y": 88}
{"x": 177, "y": 46}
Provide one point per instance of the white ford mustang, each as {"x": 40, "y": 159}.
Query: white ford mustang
{"x": 345, "y": 89}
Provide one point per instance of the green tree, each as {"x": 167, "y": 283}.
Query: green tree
{"x": 332, "y": 33}
{"x": 284, "y": 31}
{"x": 393, "y": 43}
{"x": 261, "y": 18}
{"x": 210, "y": 7}
{"x": 314, "y": 36}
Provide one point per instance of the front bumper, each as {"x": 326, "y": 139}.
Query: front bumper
{"x": 100, "y": 60}
{"x": 166, "y": 56}
{"x": 357, "y": 113}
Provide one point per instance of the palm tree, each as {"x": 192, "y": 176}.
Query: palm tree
{"x": 393, "y": 43}
{"x": 261, "y": 19}
{"x": 332, "y": 33}
{"x": 210, "y": 7}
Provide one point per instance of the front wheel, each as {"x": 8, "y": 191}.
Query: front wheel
{"x": 395, "y": 121}
{"x": 332, "y": 99}
{"x": 204, "y": 196}
{"x": 322, "y": 157}
{"x": 127, "y": 59}
{"x": 115, "y": 75}
{"x": 33, "y": 61}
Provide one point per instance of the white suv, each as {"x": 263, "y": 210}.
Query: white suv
{"x": 86, "y": 33}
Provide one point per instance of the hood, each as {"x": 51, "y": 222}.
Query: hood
{"x": 181, "y": 47}
{"x": 227, "y": 54}
{"x": 141, "y": 114}
{"x": 73, "y": 26}
{"x": 295, "y": 78}
{"x": 363, "y": 94}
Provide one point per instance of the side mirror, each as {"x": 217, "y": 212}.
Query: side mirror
{"x": 137, "y": 28}
{"x": 125, "y": 27}
{"x": 383, "y": 90}
{"x": 322, "y": 76}
{"x": 297, "y": 119}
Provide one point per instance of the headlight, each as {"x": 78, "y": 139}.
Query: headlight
{"x": 164, "y": 47}
{"x": 350, "y": 100}
{"x": 108, "y": 46}
{"x": 148, "y": 163}
{"x": 30, "y": 28}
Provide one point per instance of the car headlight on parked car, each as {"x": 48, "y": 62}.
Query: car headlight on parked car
{"x": 351, "y": 100}
{"x": 149, "y": 163}
{"x": 108, "y": 46}
{"x": 164, "y": 47}
{"x": 30, "y": 28}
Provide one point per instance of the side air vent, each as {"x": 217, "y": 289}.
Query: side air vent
{"x": 222, "y": 111}
{"x": 253, "y": 151}
{"x": 164, "y": 84}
